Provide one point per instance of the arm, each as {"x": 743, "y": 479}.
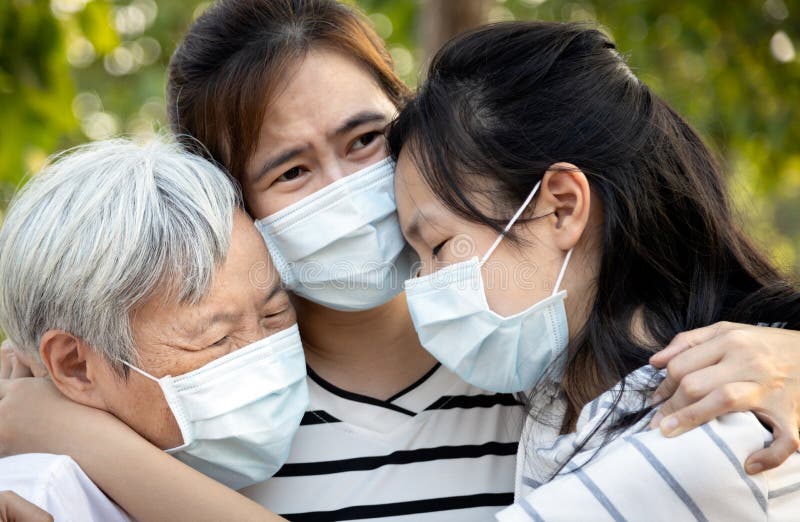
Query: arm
{"x": 645, "y": 476}
{"x": 728, "y": 367}
{"x": 145, "y": 481}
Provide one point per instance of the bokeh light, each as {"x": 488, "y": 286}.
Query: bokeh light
{"x": 383, "y": 25}
{"x": 80, "y": 52}
{"x": 782, "y": 47}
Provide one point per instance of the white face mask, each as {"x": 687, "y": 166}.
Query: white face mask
{"x": 342, "y": 246}
{"x": 495, "y": 353}
{"x": 238, "y": 414}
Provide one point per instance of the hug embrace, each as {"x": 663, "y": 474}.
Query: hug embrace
{"x": 519, "y": 293}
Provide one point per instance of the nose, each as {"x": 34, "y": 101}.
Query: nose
{"x": 331, "y": 170}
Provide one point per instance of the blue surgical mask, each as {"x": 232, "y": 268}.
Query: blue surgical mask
{"x": 455, "y": 324}
{"x": 342, "y": 246}
{"x": 239, "y": 413}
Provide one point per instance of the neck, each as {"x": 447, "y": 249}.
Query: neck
{"x": 583, "y": 381}
{"x": 373, "y": 352}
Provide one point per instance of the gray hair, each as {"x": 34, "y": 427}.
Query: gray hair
{"x": 103, "y": 228}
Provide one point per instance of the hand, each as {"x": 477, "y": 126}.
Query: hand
{"x": 729, "y": 367}
{"x": 14, "y": 508}
{"x": 15, "y": 363}
{"x": 10, "y": 365}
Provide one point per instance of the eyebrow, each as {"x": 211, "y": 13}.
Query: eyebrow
{"x": 275, "y": 290}
{"x": 357, "y": 120}
{"x": 412, "y": 230}
{"x": 351, "y": 123}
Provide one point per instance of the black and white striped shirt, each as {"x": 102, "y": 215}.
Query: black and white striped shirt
{"x": 641, "y": 475}
{"x": 441, "y": 450}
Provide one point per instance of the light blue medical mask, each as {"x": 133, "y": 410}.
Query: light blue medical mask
{"x": 342, "y": 246}
{"x": 499, "y": 354}
{"x": 239, "y": 413}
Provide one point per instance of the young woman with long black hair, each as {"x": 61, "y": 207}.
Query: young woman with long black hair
{"x": 533, "y": 145}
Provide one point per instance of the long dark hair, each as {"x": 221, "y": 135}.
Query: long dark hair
{"x": 507, "y": 101}
{"x": 235, "y": 56}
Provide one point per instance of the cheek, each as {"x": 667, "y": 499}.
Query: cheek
{"x": 140, "y": 404}
{"x": 261, "y": 203}
{"x": 377, "y": 153}
{"x": 513, "y": 284}
{"x": 264, "y": 203}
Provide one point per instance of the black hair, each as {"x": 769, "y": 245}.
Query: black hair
{"x": 506, "y": 102}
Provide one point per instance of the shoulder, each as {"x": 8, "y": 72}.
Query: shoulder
{"x": 698, "y": 475}
{"x": 33, "y": 472}
{"x": 58, "y": 485}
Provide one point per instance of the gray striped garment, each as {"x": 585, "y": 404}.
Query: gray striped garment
{"x": 639, "y": 474}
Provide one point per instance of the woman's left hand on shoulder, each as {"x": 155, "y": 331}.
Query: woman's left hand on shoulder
{"x": 729, "y": 367}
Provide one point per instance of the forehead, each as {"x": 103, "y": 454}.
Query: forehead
{"x": 419, "y": 208}
{"x": 416, "y": 202}
{"x": 409, "y": 185}
{"x": 325, "y": 88}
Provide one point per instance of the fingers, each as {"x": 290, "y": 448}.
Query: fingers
{"x": 693, "y": 388}
{"x": 19, "y": 369}
{"x": 786, "y": 442}
{"x": 11, "y": 366}
{"x": 740, "y": 396}
{"x": 6, "y": 364}
{"x": 686, "y": 364}
{"x": 15, "y": 508}
{"x": 685, "y": 340}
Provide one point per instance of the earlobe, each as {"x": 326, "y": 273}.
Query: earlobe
{"x": 72, "y": 366}
{"x": 567, "y": 191}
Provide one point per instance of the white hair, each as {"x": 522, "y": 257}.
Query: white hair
{"x": 103, "y": 228}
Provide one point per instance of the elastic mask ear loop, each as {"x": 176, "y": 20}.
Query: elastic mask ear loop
{"x": 510, "y": 223}
{"x": 142, "y": 372}
{"x": 563, "y": 271}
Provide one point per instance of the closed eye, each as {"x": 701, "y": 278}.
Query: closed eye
{"x": 438, "y": 248}
{"x": 275, "y": 314}
{"x": 221, "y": 341}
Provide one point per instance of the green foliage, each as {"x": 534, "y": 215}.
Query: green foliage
{"x": 72, "y": 70}
{"x": 35, "y": 84}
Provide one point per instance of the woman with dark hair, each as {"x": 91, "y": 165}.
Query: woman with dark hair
{"x": 533, "y": 145}
{"x": 291, "y": 97}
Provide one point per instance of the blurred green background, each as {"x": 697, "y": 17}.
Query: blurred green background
{"x": 77, "y": 70}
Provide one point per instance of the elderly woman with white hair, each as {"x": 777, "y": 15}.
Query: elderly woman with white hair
{"x": 130, "y": 276}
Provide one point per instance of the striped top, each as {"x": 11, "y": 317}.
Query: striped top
{"x": 441, "y": 450}
{"x": 641, "y": 475}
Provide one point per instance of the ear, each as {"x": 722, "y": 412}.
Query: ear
{"x": 73, "y": 367}
{"x": 565, "y": 191}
